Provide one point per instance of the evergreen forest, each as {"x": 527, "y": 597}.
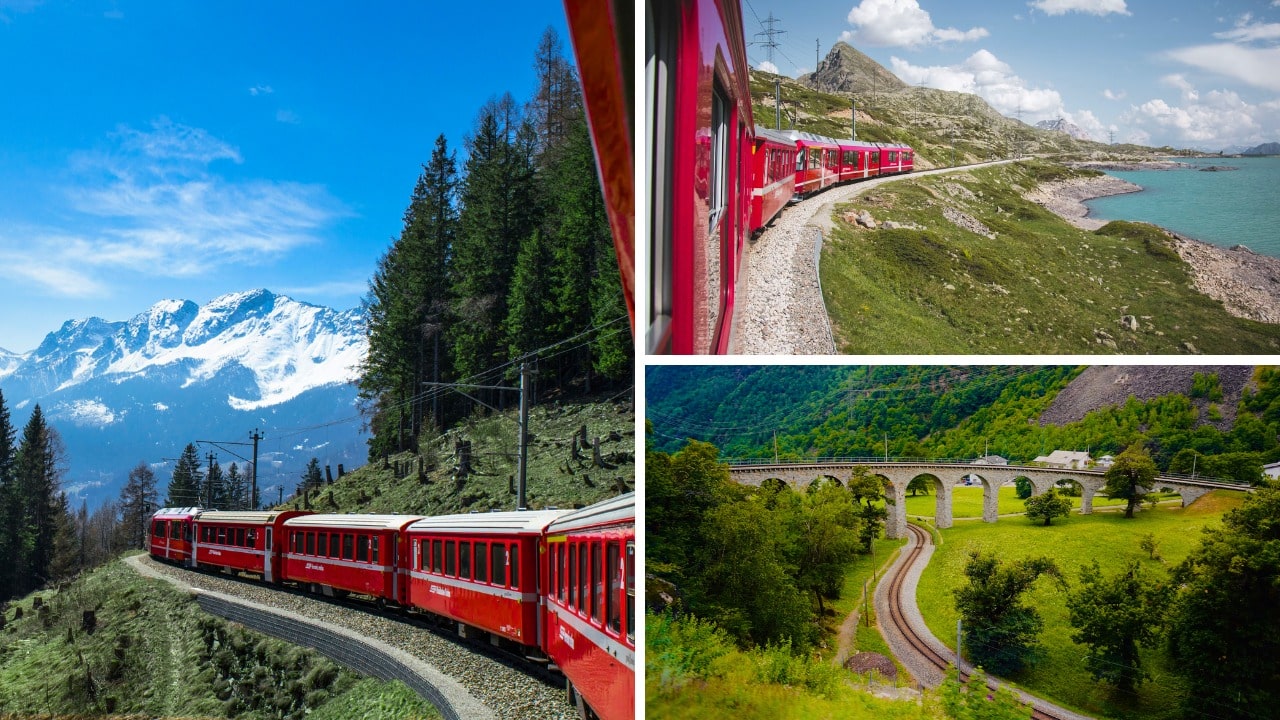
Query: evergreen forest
{"x": 505, "y": 257}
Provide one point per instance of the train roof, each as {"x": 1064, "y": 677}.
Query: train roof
{"x": 780, "y": 136}
{"x": 177, "y": 511}
{"x": 259, "y": 517}
{"x": 353, "y": 521}
{"x": 811, "y": 138}
{"x": 613, "y": 510}
{"x": 525, "y": 521}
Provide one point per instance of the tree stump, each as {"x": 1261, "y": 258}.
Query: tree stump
{"x": 89, "y": 621}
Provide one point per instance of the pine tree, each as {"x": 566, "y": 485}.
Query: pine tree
{"x": 312, "y": 477}
{"x": 67, "y": 556}
{"x": 137, "y": 503}
{"x": 237, "y": 488}
{"x": 10, "y": 513}
{"x": 36, "y": 478}
{"x": 184, "y": 486}
{"x": 215, "y": 488}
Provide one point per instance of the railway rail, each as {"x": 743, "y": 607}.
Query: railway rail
{"x": 916, "y": 647}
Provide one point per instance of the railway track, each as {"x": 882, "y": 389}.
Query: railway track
{"x": 926, "y": 660}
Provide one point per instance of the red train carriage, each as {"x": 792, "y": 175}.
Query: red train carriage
{"x": 697, "y": 195}
{"x": 351, "y": 553}
{"x": 817, "y": 162}
{"x": 248, "y": 541}
{"x": 603, "y": 33}
{"x": 172, "y": 534}
{"x": 895, "y": 159}
{"x": 591, "y": 604}
{"x": 773, "y": 182}
{"x": 858, "y": 160}
{"x": 481, "y": 570}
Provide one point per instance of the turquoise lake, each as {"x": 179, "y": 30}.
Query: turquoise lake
{"x": 1240, "y": 207}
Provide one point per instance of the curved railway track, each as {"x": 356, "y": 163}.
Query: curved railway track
{"x": 925, "y": 658}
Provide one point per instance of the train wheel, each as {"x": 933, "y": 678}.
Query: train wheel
{"x": 575, "y": 699}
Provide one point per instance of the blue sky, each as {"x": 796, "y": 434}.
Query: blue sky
{"x": 1187, "y": 73}
{"x": 153, "y": 150}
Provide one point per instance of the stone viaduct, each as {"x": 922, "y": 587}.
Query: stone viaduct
{"x": 944, "y": 475}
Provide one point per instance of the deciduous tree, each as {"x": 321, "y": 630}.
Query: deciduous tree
{"x": 1048, "y": 506}
{"x": 1112, "y": 616}
{"x": 1130, "y": 477}
{"x": 1000, "y": 629}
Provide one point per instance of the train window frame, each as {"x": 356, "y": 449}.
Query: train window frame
{"x": 718, "y": 163}
{"x": 612, "y": 598}
{"x": 595, "y": 583}
{"x": 464, "y": 559}
{"x": 175, "y": 532}
{"x": 240, "y": 537}
{"x": 451, "y": 558}
{"x": 552, "y": 559}
{"x": 348, "y": 546}
{"x": 334, "y": 551}
{"x": 437, "y": 555}
{"x": 584, "y": 589}
{"x": 514, "y": 561}
{"x": 573, "y": 576}
{"x": 362, "y": 548}
{"x": 498, "y": 568}
{"x": 311, "y": 543}
{"x": 222, "y": 536}
{"x": 482, "y": 562}
{"x": 251, "y": 537}
{"x": 375, "y": 548}
{"x": 662, "y": 45}
{"x": 631, "y": 590}
{"x": 322, "y": 545}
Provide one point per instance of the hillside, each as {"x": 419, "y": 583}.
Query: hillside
{"x": 966, "y": 412}
{"x": 931, "y": 121}
{"x": 151, "y": 652}
{"x": 428, "y": 482}
{"x": 1263, "y": 149}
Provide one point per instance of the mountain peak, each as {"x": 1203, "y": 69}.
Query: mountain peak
{"x": 1062, "y": 126}
{"x": 846, "y": 70}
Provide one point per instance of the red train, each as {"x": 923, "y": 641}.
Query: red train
{"x": 557, "y": 584}
{"x": 713, "y": 177}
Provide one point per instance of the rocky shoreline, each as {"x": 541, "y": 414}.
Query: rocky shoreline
{"x": 1246, "y": 283}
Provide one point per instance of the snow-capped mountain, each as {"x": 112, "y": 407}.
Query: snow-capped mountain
{"x": 1063, "y": 126}
{"x": 139, "y": 390}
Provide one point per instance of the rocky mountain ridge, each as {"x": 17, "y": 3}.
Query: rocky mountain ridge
{"x": 1063, "y": 126}
{"x": 1270, "y": 148}
{"x": 139, "y": 390}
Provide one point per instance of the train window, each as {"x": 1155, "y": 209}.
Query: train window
{"x": 613, "y": 566}
{"x": 464, "y": 560}
{"x": 418, "y": 554}
{"x": 437, "y": 548}
{"x": 251, "y": 538}
{"x": 157, "y": 529}
{"x": 333, "y": 545}
{"x": 187, "y": 532}
{"x": 362, "y": 548}
{"x": 573, "y": 575}
{"x": 498, "y": 553}
{"x": 348, "y": 546}
{"x": 175, "y": 531}
{"x": 893, "y": 156}
{"x": 482, "y": 562}
{"x": 717, "y": 195}
{"x": 562, "y": 559}
{"x": 374, "y": 546}
{"x": 294, "y": 541}
{"x": 552, "y": 552}
{"x": 583, "y": 598}
{"x": 800, "y": 156}
{"x": 596, "y": 580}
{"x": 450, "y": 558}
{"x": 204, "y": 533}
{"x": 631, "y": 591}
{"x": 515, "y": 566}
{"x": 222, "y": 536}
{"x": 311, "y": 543}
{"x": 322, "y": 545}
{"x": 815, "y": 159}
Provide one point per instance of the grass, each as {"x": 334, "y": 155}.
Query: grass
{"x": 1113, "y": 541}
{"x": 555, "y": 478}
{"x": 966, "y": 502}
{"x": 154, "y": 653}
{"x": 867, "y": 639}
{"x": 1039, "y": 285}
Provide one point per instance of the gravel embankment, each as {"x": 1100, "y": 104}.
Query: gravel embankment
{"x": 780, "y": 310}
{"x": 1246, "y": 283}
{"x": 507, "y": 693}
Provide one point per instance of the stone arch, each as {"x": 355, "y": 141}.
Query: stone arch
{"x": 1070, "y": 487}
{"x": 774, "y": 484}
{"x": 825, "y": 478}
{"x": 991, "y": 482}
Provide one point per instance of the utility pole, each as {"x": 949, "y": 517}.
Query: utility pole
{"x": 817, "y": 50}
{"x": 958, "y": 621}
{"x": 853, "y": 116}
{"x": 777, "y": 103}
{"x": 523, "y": 461}
{"x": 253, "y": 484}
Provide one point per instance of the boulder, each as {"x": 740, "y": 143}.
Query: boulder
{"x": 1129, "y": 322}
{"x": 865, "y": 220}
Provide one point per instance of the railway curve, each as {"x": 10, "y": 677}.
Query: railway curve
{"x": 461, "y": 684}
{"x": 780, "y": 310}
{"x": 922, "y": 653}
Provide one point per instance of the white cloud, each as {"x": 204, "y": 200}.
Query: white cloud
{"x": 287, "y": 116}
{"x": 985, "y": 75}
{"x": 1254, "y": 66}
{"x": 171, "y": 141}
{"x": 1219, "y": 117}
{"x": 1090, "y": 7}
{"x": 1088, "y": 122}
{"x": 901, "y": 23}
{"x": 1110, "y": 94}
{"x": 1182, "y": 84}
{"x": 1246, "y": 30}
{"x": 260, "y": 90}
{"x": 768, "y": 67}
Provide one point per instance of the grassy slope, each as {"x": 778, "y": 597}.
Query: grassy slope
{"x": 154, "y": 653}
{"x": 966, "y": 502}
{"x": 1111, "y": 539}
{"x": 554, "y": 478}
{"x": 1040, "y": 286}
{"x": 868, "y": 638}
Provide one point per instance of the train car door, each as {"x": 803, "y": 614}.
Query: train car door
{"x": 267, "y": 568}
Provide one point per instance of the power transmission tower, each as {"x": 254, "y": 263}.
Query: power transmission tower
{"x": 817, "y": 50}
{"x": 769, "y": 44}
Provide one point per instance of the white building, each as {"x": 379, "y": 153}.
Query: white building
{"x": 1067, "y": 459}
